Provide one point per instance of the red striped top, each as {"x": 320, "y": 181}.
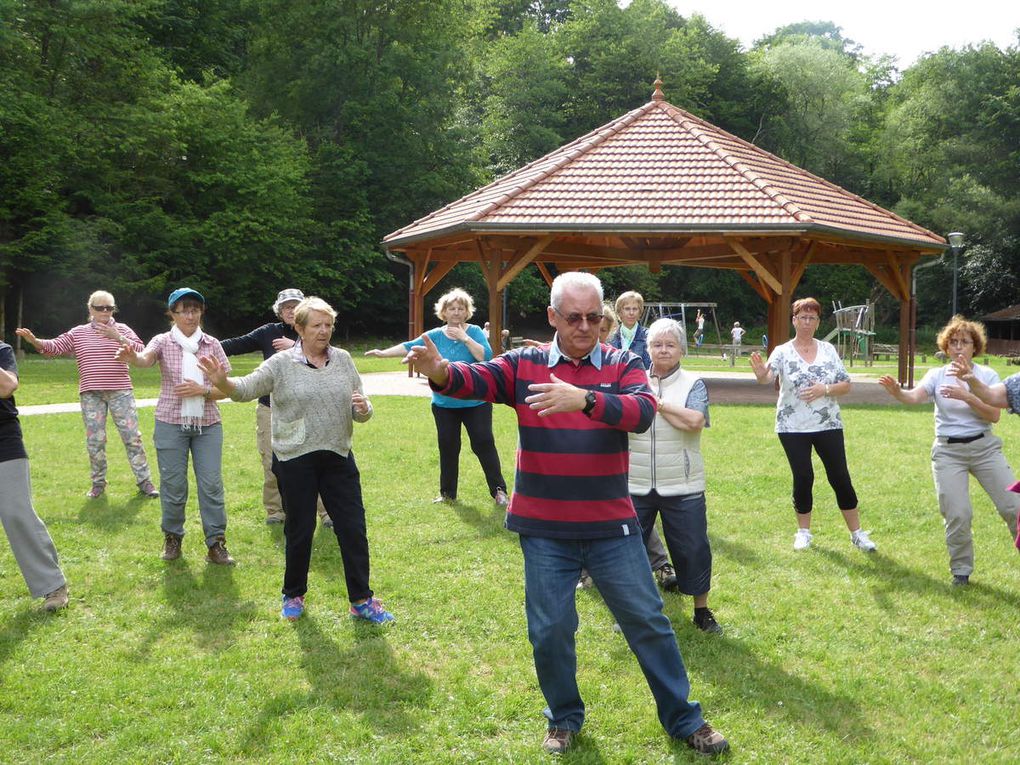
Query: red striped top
{"x": 97, "y": 369}
{"x": 571, "y": 480}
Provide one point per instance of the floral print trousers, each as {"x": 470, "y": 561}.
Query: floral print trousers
{"x": 121, "y": 406}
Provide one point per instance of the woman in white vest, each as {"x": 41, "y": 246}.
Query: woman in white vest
{"x": 667, "y": 472}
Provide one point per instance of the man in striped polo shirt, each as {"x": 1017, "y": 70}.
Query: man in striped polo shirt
{"x": 576, "y": 399}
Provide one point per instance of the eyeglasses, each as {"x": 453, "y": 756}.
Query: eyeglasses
{"x": 574, "y": 319}
{"x": 807, "y": 318}
{"x": 103, "y": 308}
{"x": 188, "y": 312}
{"x": 961, "y": 341}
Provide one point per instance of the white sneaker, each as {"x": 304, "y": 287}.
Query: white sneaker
{"x": 802, "y": 539}
{"x": 861, "y": 541}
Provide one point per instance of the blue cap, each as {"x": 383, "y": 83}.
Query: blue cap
{"x": 184, "y": 292}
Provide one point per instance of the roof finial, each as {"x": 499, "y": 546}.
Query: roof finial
{"x": 657, "y": 95}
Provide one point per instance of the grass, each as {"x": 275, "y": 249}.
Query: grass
{"x": 829, "y": 656}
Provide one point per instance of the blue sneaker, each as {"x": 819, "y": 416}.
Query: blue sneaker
{"x": 293, "y": 608}
{"x": 372, "y": 610}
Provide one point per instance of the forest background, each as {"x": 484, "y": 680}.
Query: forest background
{"x": 241, "y": 146}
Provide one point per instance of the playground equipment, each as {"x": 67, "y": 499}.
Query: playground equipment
{"x": 854, "y": 332}
{"x": 678, "y": 311}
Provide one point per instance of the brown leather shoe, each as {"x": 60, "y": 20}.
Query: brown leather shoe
{"x": 171, "y": 547}
{"x": 56, "y": 599}
{"x": 218, "y": 553}
{"x": 557, "y": 740}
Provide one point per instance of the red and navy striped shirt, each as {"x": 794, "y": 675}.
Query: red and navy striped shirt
{"x": 571, "y": 480}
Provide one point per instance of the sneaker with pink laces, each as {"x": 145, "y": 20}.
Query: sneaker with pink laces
{"x": 372, "y": 610}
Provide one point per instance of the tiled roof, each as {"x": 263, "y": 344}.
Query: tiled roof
{"x": 1012, "y": 313}
{"x": 660, "y": 169}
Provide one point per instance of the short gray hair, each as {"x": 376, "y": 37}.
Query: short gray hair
{"x": 573, "y": 279}
{"x": 669, "y": 327}
{"x": 309, "y": 304}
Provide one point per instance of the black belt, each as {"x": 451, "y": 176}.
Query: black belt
{"x": 963, "y": 439}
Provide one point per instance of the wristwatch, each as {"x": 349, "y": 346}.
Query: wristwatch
{"x": 589, "y": 402}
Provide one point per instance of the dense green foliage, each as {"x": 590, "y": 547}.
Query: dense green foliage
{"x": 242, "y": 145}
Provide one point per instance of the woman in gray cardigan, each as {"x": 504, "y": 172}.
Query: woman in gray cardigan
{"x": 316, "y": 397}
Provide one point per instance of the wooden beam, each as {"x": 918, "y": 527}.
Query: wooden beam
{"x": 544, "y": 270}
{"x": 759, "y": 268}
{"x": 438, "y": 271}
{"x": 885, "y": 279}
{"x": 520, "y": 262}
{"x": 798, "y": 272}
{"x": 900, "y": 277}
{"x": 757, "y": 286}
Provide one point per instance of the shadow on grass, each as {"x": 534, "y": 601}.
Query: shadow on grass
{"x": 362, "y": 677}
{"x": 19, "y": 629}
{"x": 892, "y": 579}
{"x": 109, "y": 516}
{"x": 727, "y": 662}
{"x": 488, "y": 522}
{"x": 209, "y": 606}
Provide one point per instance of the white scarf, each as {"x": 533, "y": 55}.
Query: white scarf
{"x": 192, "y": 407}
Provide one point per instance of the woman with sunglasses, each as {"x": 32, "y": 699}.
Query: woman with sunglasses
{"x": 811, "y": 376}
{"x": 104, "y": 387}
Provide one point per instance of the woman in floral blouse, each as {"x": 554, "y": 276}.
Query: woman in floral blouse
{"x": 811, "y": 377}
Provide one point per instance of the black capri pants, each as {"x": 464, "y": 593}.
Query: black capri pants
{"x": 832, "y": 452}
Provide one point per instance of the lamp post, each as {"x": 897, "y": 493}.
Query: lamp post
{"x": 955, "y": 244}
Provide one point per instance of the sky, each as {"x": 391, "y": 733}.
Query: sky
{"x": 903, "y": 28}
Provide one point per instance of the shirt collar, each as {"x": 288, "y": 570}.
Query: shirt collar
{"x": 556, "y": 356}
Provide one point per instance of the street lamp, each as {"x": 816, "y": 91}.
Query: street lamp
{"x": 955, "y": 244}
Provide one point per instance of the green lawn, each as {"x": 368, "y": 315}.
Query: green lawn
{"x": 829, "y": 656}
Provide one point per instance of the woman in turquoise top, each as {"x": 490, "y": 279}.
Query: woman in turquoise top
{"x": 459, "y": 341}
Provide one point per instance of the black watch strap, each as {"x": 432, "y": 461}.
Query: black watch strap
{"x": 589, "y": 402}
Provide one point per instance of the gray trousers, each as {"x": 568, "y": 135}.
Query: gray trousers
{"x": 30, "y": 541}
{"x": 173, "y": 445}
{"x": 952, "y": 465}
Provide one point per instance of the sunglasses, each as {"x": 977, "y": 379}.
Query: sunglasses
{"x": 574, "y": 319}
{"x": 103, "y": 308}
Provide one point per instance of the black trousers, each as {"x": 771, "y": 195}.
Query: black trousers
{"x": 831, "y": 450}
{"x": 337, "y": 480}
{"x": 477, "y": 420}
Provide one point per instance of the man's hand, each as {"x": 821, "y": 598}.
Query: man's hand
{"x": 555, "y": 397}
{"x": 427, "y": 360}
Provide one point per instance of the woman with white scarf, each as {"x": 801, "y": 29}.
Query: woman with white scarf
{"x": 187, "y": 422}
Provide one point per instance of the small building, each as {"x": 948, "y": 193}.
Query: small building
{"x": 1003, "y": 331}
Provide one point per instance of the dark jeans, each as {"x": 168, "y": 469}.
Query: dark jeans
{"x": 337, "y": 480}
{"x": 685, "y": 526}
{"x": 830, "y": 448}
{"x": 477, "y": 420}
{"x": 619, "y": 567}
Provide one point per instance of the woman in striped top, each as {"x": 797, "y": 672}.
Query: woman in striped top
{"x": 104, "y": 386}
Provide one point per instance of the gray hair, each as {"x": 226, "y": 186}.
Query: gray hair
{"x": 669, "y": 327}
{"x": 573, "y": 279}
{"x": 309, "y": 304}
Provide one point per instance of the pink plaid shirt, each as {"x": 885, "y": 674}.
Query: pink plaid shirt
{"x": 171, "y": 364}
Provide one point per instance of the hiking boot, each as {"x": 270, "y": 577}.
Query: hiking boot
{"x": 148, "y": 489}
{"x": 171, "y": 547}
{"x": 56, "y": 599}
{"x": 861, "y": 542}
{"x": 707, "y": 740}
{"x": 96, "y": 491}
{"x": 802, "y": 539}
{"x": 705, "y": 621}
{"x": 960, "y": 580}
{"x": 372, "y": 610}
{"x": 500, "y": 498}
{"x": 273, "y": 518}
{"x": 666, "y": 577}
{"x": 325, "y": 520}
{"x": 557, "y": 740}
{"x": 218, "y": 553}
{"x": 293, "y": 608}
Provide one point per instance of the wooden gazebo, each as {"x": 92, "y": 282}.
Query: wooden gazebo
{"x": 660, "y": 186}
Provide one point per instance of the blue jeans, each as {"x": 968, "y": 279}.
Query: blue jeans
{"x": 173, "y": 446}
{"x": 619, "y": 567}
